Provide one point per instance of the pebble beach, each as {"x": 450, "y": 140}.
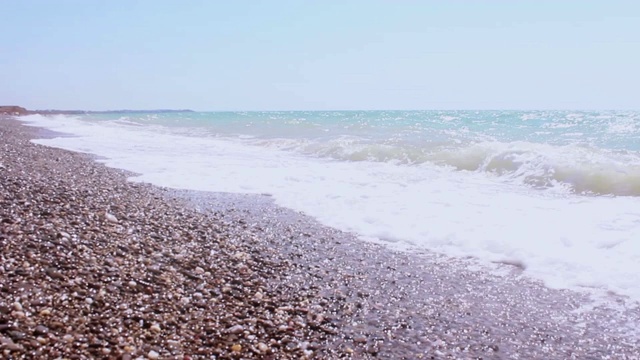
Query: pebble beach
{"x": 94, "y": 266}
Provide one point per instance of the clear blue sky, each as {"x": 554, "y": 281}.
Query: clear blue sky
{"x": 291, "y": 55}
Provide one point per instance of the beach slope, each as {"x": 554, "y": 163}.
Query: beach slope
{"x": 93, "y": 266}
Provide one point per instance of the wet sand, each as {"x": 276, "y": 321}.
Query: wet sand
{"x": 95, "y": 266}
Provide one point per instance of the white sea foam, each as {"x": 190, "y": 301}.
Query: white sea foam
{"x": 573, "y": 168}
{"x": 560, "y": 237}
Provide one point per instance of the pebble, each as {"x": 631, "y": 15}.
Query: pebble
{"x": 236, "y": 329}
{"x": 263, "y": 347}
{"x": 41, "y": 330}
{"x": 45, "y": 312}
{"x": 360, "y": 339}
{"x": 155, "y": 328}
{"x": 153, "y": 355}
{"x": 9, "y": 344}
{"x": 174, "y": 343}
{"x": 236, "y": 348}
{"x": 110, "y": 217}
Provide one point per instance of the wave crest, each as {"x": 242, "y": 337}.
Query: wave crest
{"x": 579, "y": 169}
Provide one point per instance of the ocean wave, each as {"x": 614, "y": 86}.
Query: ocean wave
{"x": 575, "y": 168}
{"x": 580, "y": 169}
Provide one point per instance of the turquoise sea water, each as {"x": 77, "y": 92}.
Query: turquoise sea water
{"x": 587, "y": 152}
{"x": 556, "y": 191}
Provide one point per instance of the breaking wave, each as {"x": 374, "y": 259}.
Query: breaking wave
{"x": 576, "y": 168}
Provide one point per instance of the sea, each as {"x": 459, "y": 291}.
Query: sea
{"x": 554, "y": 193}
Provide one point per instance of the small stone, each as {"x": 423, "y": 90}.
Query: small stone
{"x": 240, "y": 255}
{"x": 199, "y": 270}
{"x": 236, "y": 329}
{"x": 153, "y": 355}
{"x": 54, "y": 274}
{"x": 110, "y": 217}
{"x": 132, "y": 283}
{"x": 236, "y": 347}
{"x": 88, "y": 300}
{"x": 17, "y": 306}
{"x": 360, "y": 339}
{"x": 41, "y": 330}
{"x": 16, "y": 335}
{"x": 155, "y": 328}
{"x": 68, "y": 338}
{"x": 106, "y": 351}
{"x": 45, "y": 312}
{"x": 42, "y": 340}
{"x": 9, "y": 344}
{"x": 56, "y": 325}
{"x": 263, "y": 347}
{"x": 174, "y": 343}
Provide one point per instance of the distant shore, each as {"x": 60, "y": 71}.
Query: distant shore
{"x": 19, "y": 111}
{"x": 96, "y": 266}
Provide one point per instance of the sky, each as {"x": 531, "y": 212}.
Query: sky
{"x": 320, "y": 55}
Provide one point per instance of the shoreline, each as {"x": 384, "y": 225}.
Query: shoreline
{"x": 325, "y": 294}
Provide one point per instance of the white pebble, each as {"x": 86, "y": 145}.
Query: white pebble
{"x": 110, "y": 217}
{"x": 88, "y": 300}
{"x": 17, "y": 306}
{"x": 132, "y": 283}
{"x": 153, "y": 355}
